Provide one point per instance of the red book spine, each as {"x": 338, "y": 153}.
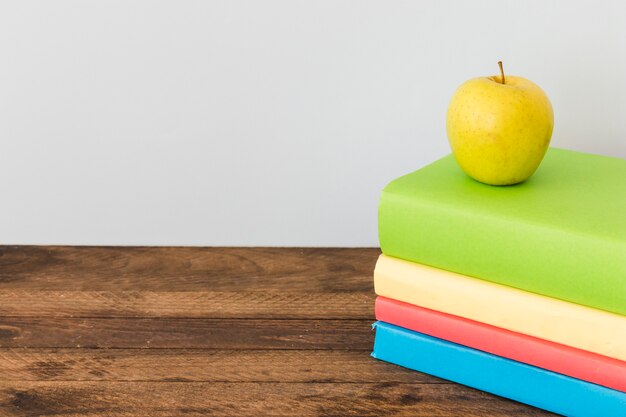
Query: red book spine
{"x": 555, "y": 357}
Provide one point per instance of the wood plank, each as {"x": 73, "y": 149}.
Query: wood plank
{"x": 126, "y": 399}
{"x": 201, "y": 365}
{"x": 63, "y": 268}
{"x": 101, "y": 331}
{"x": 183, "y": 304}
{"x": 186, "y": 333}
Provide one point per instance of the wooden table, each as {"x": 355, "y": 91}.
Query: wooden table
{"x": 111, "y": 331}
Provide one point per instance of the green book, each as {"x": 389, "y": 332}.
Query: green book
{"x": 562, "y": 233}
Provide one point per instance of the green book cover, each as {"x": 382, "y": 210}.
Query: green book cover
{"x": 562, "y": 233}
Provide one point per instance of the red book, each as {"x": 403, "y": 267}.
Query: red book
{"x": 566, "y": 360}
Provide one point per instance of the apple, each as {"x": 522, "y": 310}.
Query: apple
{"x": 499, "y": 128}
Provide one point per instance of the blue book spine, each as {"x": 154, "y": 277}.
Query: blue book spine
{"x": 504, "y": 377}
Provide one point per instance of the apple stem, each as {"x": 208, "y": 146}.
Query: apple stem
{"x": 501, "y": 71}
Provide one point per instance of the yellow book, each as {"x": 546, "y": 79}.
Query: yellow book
{"x": 536, "y": 315}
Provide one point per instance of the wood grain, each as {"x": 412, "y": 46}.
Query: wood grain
{"x": 250, "y": 399}
{"x": 112, "y": 331}
{"x": 199, "y": 365}
{"x": 186, "y": 333}
{"x": 185, "y": 304}
{"x": 61, "y": 268}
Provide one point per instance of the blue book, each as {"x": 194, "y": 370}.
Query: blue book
{"x": 504, "y": 377}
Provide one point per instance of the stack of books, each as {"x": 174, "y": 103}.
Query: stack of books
{"x": 519, "y": 290}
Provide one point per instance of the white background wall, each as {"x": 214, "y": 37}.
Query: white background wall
{"x": 266, "y": 122}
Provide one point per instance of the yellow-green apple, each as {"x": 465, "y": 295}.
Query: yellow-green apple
{"x": 499, "y": 128}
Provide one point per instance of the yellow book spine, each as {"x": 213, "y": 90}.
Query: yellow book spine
{"x": 536, "y": 315}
